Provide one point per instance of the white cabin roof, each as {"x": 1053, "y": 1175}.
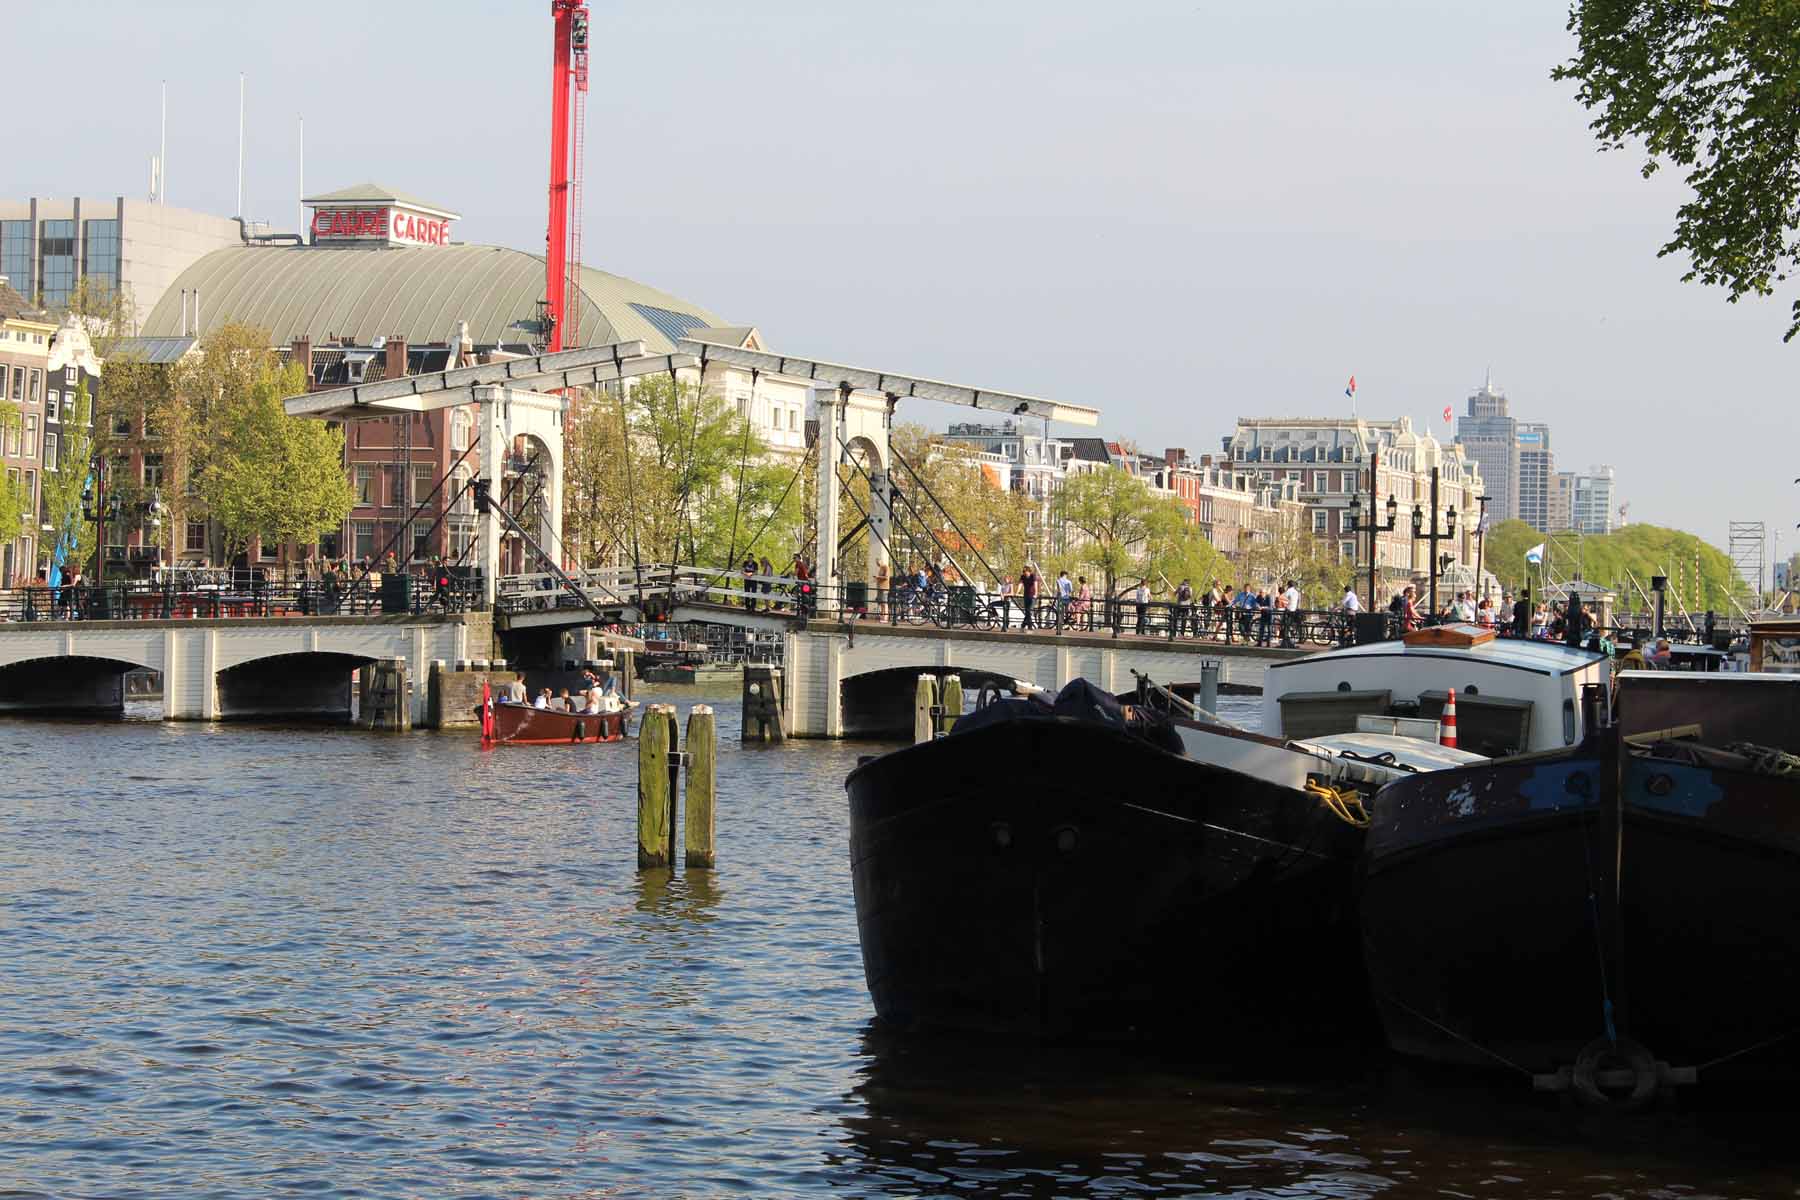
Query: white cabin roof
{"x": 1545, "y": 658}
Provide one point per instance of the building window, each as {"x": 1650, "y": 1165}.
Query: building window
{"x": 100, "y": 251}
{"x": 70, "y": 377}
{"x": 267, "y": 551}
{"x": 49, "y": 451}
{"x": 421, "y": 540}
{"x": 3, "y": 376}
{"x": 195, "y": 541}
{"x": 1345, "y": 524}
{"x": 1320, "y": 520}
{"x": 31, "y": 432}
{"x": 122, "y": 426}
{"x": 52, "y": 405}
{"x": 422, "y": 483}
{"x": 56, "y": 249}
{"x": 397, "y": 486}
{"x": 153, "y": 470}
{"x": 16, "y": 257}
{"x": 793, "y": 420}
{"x": 18, "y": 389}
{"x": 464, "y": 503}
{"x": 362, "y": 538}
{"x": 365, "y": 485}
{"x": 743, "y": 406}
{"x": 36, "y": 394}
{"x": 1347, "y": 551}
{"x": 69, "y": 410}
{"x": 462, "y": 424}
{"x": 1321, "y": 481}
{"x": 12, "y": 441}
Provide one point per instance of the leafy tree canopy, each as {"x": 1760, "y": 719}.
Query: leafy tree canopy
{"x": 1640, "y": 550}
{"x": 1712, "y": 87}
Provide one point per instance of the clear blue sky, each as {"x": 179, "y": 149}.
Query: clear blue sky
{"x": 1177, "y": 212}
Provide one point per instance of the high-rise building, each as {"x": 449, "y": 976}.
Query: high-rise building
{"x": 1537, "y": 467}
{"x": 1593, "y": 501}
{"x": 1489, "y": 435}
{"x": 1562, "y": 502}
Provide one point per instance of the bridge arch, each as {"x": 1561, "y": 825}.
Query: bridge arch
{"x": 306, "y": 683}
{"x": 879, "y": 704}
{"x": 74, "y": 683}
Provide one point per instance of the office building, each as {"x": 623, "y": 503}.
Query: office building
{"x": 1489, "y": 435}
{"x": 1537, "y": 467}
{"x": 134, "y": 247}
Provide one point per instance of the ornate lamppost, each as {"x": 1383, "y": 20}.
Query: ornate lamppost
{"x": 1433, "y": 535}
{"x": 1373, "y": 527}
{"x": 99, "y": 506}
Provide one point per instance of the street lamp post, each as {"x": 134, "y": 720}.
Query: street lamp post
{"x": 1434, "y": 534}
{"x": 1481, "y": 544}
{"x": 1373, "y": 527}
{"x": 100, "y": 507}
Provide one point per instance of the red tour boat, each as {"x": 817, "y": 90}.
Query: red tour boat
{"x": 507, "y": 723}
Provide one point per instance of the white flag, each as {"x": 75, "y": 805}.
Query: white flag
{"x": 1535, "y": 554}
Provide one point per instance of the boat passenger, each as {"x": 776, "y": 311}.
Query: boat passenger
{"x": 543, "y": 699}
{"x": 515, "y": 691}
{"x": 562, "y": 702}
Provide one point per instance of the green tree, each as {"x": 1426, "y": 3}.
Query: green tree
{"x": 1712, "y": 87}
{"x": 1121, "y": 531}
{"x": 269, "y": 475}
{"x": 62, "y": 487}
{"x": 669, "y": 471}
{"x": 1294, "y": 552}
{"x": 1623, "y": 561}
{"x": 15, "y": 501}
{"x": 956, "y": 501}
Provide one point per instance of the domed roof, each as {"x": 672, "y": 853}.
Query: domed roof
{"x": 419, "y": 293}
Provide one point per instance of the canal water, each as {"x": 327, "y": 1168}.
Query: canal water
{"x": 242, "y": 961}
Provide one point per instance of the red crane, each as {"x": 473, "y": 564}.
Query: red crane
{"x": 568, "y": 105}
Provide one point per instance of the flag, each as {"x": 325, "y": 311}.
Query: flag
{"x": 487, "y": 712}
{"x": 1446, "y": 414}
{"x": 1535, "y": 554}
{"x": 1350, "y": 389}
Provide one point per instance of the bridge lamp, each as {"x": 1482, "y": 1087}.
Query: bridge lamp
{"x": 1393, "y": 510}
{"x": 1418, "y": 521}
{"x": 1450, "y": 522}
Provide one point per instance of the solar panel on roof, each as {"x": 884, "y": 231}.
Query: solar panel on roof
{"x": 672, "y": 325}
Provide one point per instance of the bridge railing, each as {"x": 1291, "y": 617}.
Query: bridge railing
{"x": 137, "y": 601}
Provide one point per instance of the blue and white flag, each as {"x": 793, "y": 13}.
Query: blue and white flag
{"x": 1535, "y": 554}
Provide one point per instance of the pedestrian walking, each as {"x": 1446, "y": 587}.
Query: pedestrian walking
{"x": 1028, "y": 593}
{"x": 1141, "y": 601}
{"x": 1184, "y": 603}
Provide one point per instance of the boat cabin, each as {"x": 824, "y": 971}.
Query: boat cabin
{"x": 1512, "y": 695}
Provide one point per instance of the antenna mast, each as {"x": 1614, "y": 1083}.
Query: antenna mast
{"x": 240, "y": 200}
{"x": 162, "y": 148}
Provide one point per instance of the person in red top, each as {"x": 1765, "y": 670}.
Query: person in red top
{"x": 1409, "y": 611}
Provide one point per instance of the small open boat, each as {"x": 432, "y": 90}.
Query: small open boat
{"x": 523, "y": 725}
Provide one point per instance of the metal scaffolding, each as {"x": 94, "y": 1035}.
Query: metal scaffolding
{"x": 1749, "y": 540}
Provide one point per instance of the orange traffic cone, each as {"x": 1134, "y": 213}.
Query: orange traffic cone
{"x": 1447, "y": 722}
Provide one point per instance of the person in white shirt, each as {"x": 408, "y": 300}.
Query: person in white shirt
{"x": 1141, "y": 598}
{"x": 1465, "y": 611}
{"x": 543, "y": 699}
{"x": 1351, "y": 603}
{"x": 1290, "y": 619}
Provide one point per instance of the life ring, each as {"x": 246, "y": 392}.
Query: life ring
{"x": 1599, "y": 1052}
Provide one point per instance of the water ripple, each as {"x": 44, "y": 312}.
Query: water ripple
{"x": 320, "y": 963}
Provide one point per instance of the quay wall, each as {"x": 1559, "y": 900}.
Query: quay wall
{"x": 454, "y": 694}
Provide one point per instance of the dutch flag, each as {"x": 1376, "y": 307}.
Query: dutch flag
{"x": 1350, "y": 388}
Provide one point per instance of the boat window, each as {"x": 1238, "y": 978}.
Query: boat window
{"x": 1568, "y": 722}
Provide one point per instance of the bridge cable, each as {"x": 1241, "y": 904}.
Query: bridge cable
{"x": 910, "y": 470}
{"x": 743, "y": 460}
{"x": 407, "y": 524}
{"x": 922, "y": 522}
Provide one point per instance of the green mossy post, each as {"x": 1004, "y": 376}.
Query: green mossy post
{"x": 655, "y": 802}
{"x": 924, "y": 709}
{"x": 953, "y": 702}
{"x": 702, "y": 785}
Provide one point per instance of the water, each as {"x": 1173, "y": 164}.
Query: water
{"x": 244, "y": 962}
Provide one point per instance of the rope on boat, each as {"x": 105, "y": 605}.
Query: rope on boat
{"x": 1346, "y": 804}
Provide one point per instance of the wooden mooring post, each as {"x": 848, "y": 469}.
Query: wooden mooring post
{"x": 951, "y": 706}
{"x": 660, "y": 760}
{"x": 658, "y": 769}
{"x": 762, "y": 703}
{"x": 925, "y": 709}
{"x": 702, "y": 784}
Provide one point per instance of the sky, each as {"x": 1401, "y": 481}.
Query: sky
{"x": 1177, "y": 212}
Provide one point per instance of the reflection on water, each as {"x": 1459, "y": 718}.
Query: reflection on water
{"x": 244, "y": 961}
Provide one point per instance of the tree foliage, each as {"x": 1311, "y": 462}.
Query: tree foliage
{"x": 1124, "y": 533}
{"x": 1712, "y": 87}
{"x": 669, "y": 472}
{"x": 62, "y": 487}
{"x": 15, "y": 499}
{"x": 1296, "y": 553}
{"x": 1640, "y": 550}
{"x": 955, "y": 500}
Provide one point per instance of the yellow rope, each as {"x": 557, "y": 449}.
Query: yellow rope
{"x": 1345, "y": 803}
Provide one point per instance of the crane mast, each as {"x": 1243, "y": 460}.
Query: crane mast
{"x": 568, "y": 110}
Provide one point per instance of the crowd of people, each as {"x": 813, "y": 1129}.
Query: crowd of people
{"x": 599, "y": 695}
